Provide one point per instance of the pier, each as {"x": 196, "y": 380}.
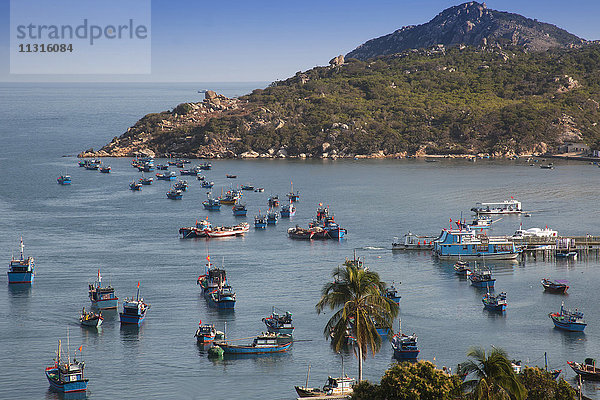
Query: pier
{"x": 546, "y": 247}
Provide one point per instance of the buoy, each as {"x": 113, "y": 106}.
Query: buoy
{"x": 215, "y": 352}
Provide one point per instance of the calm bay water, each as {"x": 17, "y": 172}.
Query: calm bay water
{"x": 98, "y": 223}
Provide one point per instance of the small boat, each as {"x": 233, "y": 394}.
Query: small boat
{"x": 566, "y": 249}
{"x": 197, "y": 231}
{"x": 206, "y": 333}
{"x": 547, "y": 166}
{"x": 587, "y": 369}
{"x": 105, "y": 170}
{"x": 557, "y": 286}
{"x": 91, "y": 166}
{"x": 273, "y": 201}
{"x": 135, "y": 185}
{"x": 334, "y": 388}
{"x": 247, "y": 187}
{"x": 272, "y": 217}
{"x": 205, "y": 166}
{"x": 260, "y": 221}
{"x": 239, "y": 210}
{"x": 212, "y": 279}
{"x": 146, "y": 181}
{"x": 175, "y": 194}
{"x": 413, "y": 242}
{"x": 200, "y": 177}
{"x": 191, "y": 172}
{"x": 162, "y": 167}
{"x": 279, "y": 323}
{"x": 222, "y": 297}
{"x": 90, "y": 318}
{"x": 262, "y": 344}
{"x": 66, "y": 376}
{"x": 145, "y": 167}
{"x": 259, "y": 190}
{"x": 461, "y": 268}
{"x": 82, "y": 163}
{"x": 300, "y": 233}
{"x": 103, "y": 297}
{"x": 392, "y": 294}
{"x": 332, "y": 230}
{"x": 288, "y": 210}
{"x": 231, "y": 176}
{"x": 226, "y": 231}
{"x": 207, "y": 184}
{"x": 64, "y": 180}
{"x": 481, "y": 278}
{"x": 405, "y": 347}
{"x": 293, "y": 196}
{"x": 511, "y": 206}
{"x": 21, "y": 270}
{"x": 181, "y": 185}
{"x": 229, "y": 198}
{"x": 568, "y": 320}
{"x": 134, "y": 310}
{"x": 494, "y": 302}
{"x": 211, "y": 204}
{"x": 166, "y": 176}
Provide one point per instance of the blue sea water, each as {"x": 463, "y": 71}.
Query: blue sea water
{"x": 98, "y": 223}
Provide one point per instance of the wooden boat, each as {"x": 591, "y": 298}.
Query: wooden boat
{"x": 207, "y": 184}
{"x": 334, "y": 388}
{"x": 247, "y": 187}
{"x": 461, "y": 268}
{"x": 21, "y": 270}
{"x": 212, "y": 279}
{"x": 206, "y": 333}
{"x": 102, "y": 297}
{"x": 262, "y": 344}
{"x": 190, "y": 172}
{"x": 162, "y": 167}
{"x": 557, "y": 286}
{"x": 239, "y": 210}
{"x": 134, "y": 310}
{"x": 260, "y": 221}
{"x": 231, "y": 176}
{"x": 175, "y": 194}
{"x": 405, "y": 347}
{"x": 229, "y": 198}
{"x": 481, "y": 278}
{"x": 300, "y": 233}
{"x": 197, "y": 231}
{"x": 146, "y": 181}
{"x": 90, "y": 318}
{"x": 288, "y": 210}
{"x": 205, "y": 166}
{"x": 211, "y": 204}
{"x": 293, "y": 196}
{"x": 392, "y": 294}
{"x": 166, "y": 176}
{"x": 82, "y": 163}
{"x": 547, "y": 166}
{"x": 273, "y": 201}
{"x": 587, "y": 369}
{"x": 495, "y": 302}
{"x": 413, "y": 242}
{"x": 66, "y": 376}
{"x": 105, "y": 170}
{"x": 225, "y": 231}
{"x": 259, "y": 190}
{"x": 64, "y": 180}
{"x": 180, "y": 185}
{"x": 272, "y": 217}
{"x": 136, "y": 186}
{"x": 223, "y": 297}
{"x": 568, "y": 320}
{"x": 279, "y": 323}
{"x": 200, "y": 177}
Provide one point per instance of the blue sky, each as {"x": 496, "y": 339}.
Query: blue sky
{"x": 233, "y": 41}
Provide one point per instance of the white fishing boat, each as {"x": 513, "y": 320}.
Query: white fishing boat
{"x": 511, "y": 206}
{"x": 411, "y": 241}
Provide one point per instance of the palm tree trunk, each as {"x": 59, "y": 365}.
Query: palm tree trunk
{"x": 360, "y": 362}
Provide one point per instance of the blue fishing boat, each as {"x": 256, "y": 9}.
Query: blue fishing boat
{"x": 135, "y": 185}
{"x": 568, "y": 320}
{"x": 134, "y": 310}
{"x": 211, "y": 204}
{"x": 405, "y": 347}
{"x": 146, "y": 181}
{"x": 166, "y": 176}
{"x": 197, "y": 231}
{"x": 272, "y": 217}
{"x": 102, "y": 297}
{"x": 223, "y": 297}
{"x": 66, "y": 376}
{"x": 260, "y": 221}
{"x": 64, "y": 180}
{"x": 207, "y": 333}
{"x": 212, "y": 279}
{"x": 105, "y": 170}
{"x": 207, "y": 184}
{"x": 262, "y": 344}
{"x": 239, "y": 210}
{"x": 495, "y": 302}
{"x": 481, "y": 278}
{"x": 162, "y": 167}
{"x": 21, "y": 270}
{"x": 392, "y": 294}
{"x": 469, "y": 245}
{"x": 205, "y": 166}
{"x": 332, "y": 230}
{"x": 181, "y": 185}
{"x": 288, "y": 210}
{"x": 273, "y": 201}
{"x": 247, "y": 187}
{"x": 279, "y": 323}
{"x": 175, "y": 194}
{"x": 293, "y": 196}
{"x": 93, "y": 165}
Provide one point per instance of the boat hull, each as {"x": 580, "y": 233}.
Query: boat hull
{"x": 486, "y": 256}
{"x": 483, "y": 284}
{"x": 20, "y": 277}
{"x": 240, "y": 213}
{"x": 127, "y": 319}
{"x": 96, "y": 322}
{"x": 233, "y": 349}
{"x": 584, "y": 374}
{"x": 406, "y": 354}
{"x": 105, "y": 304}
{"x": 568, "y": 326}
{"x": 65, "y": 387}
{"x": 495, "y": 307}
{"x": 223, "y": 304}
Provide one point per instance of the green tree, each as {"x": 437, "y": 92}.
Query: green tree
{"x": 358, "y": 296}
{"x": 494, "y": 377}
{"x": 541, "y": 385}
{"x": 411, "y": 381}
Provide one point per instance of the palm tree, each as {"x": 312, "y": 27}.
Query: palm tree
{"x": 359, "y": 295}
{"x": 494, "y": 376}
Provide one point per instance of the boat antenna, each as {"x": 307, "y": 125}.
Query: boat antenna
{"x": 138, "y": 291}
{"x": 21, "y": 246}
{"x": 68, "y": 347}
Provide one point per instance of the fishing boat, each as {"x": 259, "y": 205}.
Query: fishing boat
{"x": 105, "y": 170}
{"x": 162, "y": 167}
{"x": 231, "y": 176}
{"x": 90, "y": 318}
{"x": 146, "y": 181}
{"x": 293, "y": 196}
{"x": 511, "y": 206}
{"x": 288, "y": 210}
{"x": 175, "y": 194}
{"x": 211, "y": 204}
{"x": 239, "y": 210}
{"x": 405, "y": 347}
{"x": 64, "y": 180}
{"x": 134, "y": 310}
{"x": 469, "y": 245}
{"x": 92, "y": 166}
{"x": 247, "y": 186}
{"x": 494, "y": 302}
{"x": 300, "y": 233}
{"x": 21, "y": 270}
{"x": 229, "y": 198}
{"x": 272, "y": 217}
{"x": 259, "y": 190}
{"x": 411, "y": 241}
{"x": 136, "y": 186}
{"x": 82, "y": 163}
{"x": 521, "y": 233}
{"x": 223, "y": 297}
{"x": 587, "y": 369}
{"x": 566, "y": 249}
{"x": 205, "y": 166}
{"x": 166, "y": 176}
{"x": 207, "y": 333}
{"x": 66, "y": 376}
{"x": 568, "y": 320}
{"x": 197, "y": 231}
{"x": 260, "y": 221}
{"x": 225, "y": 231}
{"x": 212, "y": 279}
{"x": 479, "y": 222}
{"x": 180, "y": 185}
{"x": 191, "y": 172}
{"x": 334, "y": 388}
{"x": 481, "y": 278}
{"x": 200, "y": 177}
{"x": 262, "y": 344}
{"x": 279, "y": 323}
{"x": 557, "y": 286}
{"x": 273, "y": 201}
{"x": 207, "y": 184}
{"x": 331, "y": 230}
{"x": 392, "y": 294}
{"x": 547, "y": 166}
{"x": 461, "y": 268}
{"x": 102, "y": 297}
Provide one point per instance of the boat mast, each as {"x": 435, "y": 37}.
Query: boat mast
{"x": 307, "y": 375}
{"x": 546, "y": 361}
{"x": 22, "y": 247}
{"x": 68, "y": 347}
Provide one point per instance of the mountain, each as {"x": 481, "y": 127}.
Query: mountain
{"x": 470, "y": 24}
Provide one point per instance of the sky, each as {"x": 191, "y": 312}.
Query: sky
{"x": 252, "y": 41}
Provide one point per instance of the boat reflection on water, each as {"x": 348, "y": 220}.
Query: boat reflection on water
{"x": 54, "y": 395}
{"x": 131, "y": 332}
